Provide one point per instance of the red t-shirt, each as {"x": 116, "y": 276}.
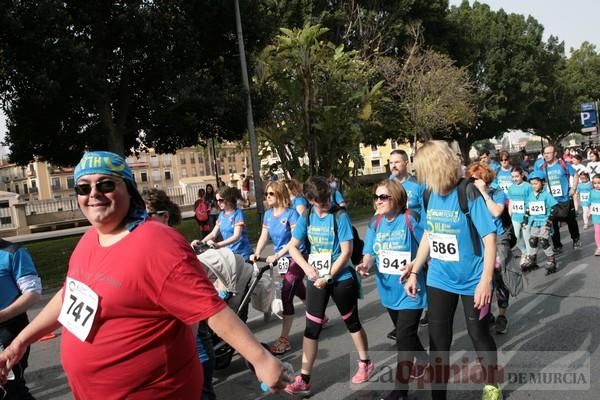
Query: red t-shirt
{"x": 150, "y": 287}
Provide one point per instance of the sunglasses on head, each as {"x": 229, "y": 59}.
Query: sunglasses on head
{"x": 157, "y": 213}
{"x": 106, "y": 186}
{"x": 382, "y": 197}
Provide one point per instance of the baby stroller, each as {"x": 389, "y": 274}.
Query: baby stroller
{"x": 243, "y": 283}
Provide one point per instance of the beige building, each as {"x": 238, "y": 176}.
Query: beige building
{"x": 376, "y": 158}
{"x": 190, "y": 166}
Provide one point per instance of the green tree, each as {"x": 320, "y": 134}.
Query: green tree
{"x": 501, "y": 52}
{"x": 322, "y": 103}
{"x": 582, "y": 72}
{"x": 77, "y": 75}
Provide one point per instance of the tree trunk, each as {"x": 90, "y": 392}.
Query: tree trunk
{"x": 114, "y": 139}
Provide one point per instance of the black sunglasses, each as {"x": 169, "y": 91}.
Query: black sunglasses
{"x": 269, "y": 194}
{"x": 220, "y": 200}
{"x": 158, "y": 213}
{"x": 382, "y": 197}
{"x": 107, "y": 186}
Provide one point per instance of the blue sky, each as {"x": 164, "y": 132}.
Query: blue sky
{"x": 573, "y": 21}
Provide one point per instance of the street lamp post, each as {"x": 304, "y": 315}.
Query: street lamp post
{"x": 250, "y": 119}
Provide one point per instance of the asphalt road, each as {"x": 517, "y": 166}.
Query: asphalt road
{"x": 553, "y": 328}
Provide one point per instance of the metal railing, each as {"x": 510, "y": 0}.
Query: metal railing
{"x": 50, "y": 206}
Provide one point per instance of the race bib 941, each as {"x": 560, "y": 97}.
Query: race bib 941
{"x": 443, "y": 247}
{"x": 79, "y": 308}
{"x": 393, "y": 262}
{"x": 321, "y": 262}
{"x": 595, "y": 209}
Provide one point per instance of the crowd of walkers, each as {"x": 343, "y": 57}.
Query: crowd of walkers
{"x": 137, "y": 305}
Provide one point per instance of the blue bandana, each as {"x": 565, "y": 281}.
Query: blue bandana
{"x": 107, "y": 163}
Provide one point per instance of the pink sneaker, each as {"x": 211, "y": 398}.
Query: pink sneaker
{"x": 364, "y": 372}
{"x": 298, "y": 387}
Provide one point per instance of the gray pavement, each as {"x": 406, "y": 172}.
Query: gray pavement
{"x": 555, "y": 313}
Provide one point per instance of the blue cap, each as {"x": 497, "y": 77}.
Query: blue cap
{"x": 536, "y": 175}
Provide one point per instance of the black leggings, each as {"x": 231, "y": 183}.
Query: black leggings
{"x": 442, "y": 306}
{"x": 345, "y": 296}
{"x": 408, "y": 344}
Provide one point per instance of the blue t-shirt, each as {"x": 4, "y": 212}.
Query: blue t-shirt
{"x": 280, "y": 228}
{"x": 584, "y": 190}
{"x": 336, "y": 198}
{"x": 299, "y": 201}
{"x": 227, "y": 222}
{"x": 595, "y": 206}
{"x": 322, "y": 239}
{"x": 504, "y": 179}
{"x": 14, "y": 265}
{"x": 538, "y": 164}
{"x": 533, "y": 206}
{"x": 444, "y": 217}
{"x": 557, "y": 180}
{"x": 499, "y": 197}
{"x": 414, "y": 192}
{"x": 395, "y": 235}
{"x": 518, "y": 195}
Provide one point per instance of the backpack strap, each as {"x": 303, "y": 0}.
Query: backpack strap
{"x": 378, "y": 221}
{"x": 467, "y": 189}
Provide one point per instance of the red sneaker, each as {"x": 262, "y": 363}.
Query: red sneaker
{"x": 298, "y": 387}
{"x": 365, "y": 370}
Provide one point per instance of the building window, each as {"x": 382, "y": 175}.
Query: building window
{"x": 167, "y": 175}
{"x": 166, "y": 160}
{"x": 194, "y": 171}
{"x": 55, "y": 183}
{"x": 182, "y": 158}
{"x": 192, "y": 158}
{"x": 70, "y": 182}
{"x": 183, "y": 172}
{"x": 394, "y": 145}
{"x": 144, "y": 176}
{"x": 375, "y": 164}
{"x": 156, "y": 175}
{"x": 25, "y": 188}
{"x": 17, "y": 188}
{"x": 373, "y": 147}
{"x": 154, "y": 161}
{"x": 34, "y": 188}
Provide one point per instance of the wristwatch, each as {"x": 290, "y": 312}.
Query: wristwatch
{"x": 328, "y": 278}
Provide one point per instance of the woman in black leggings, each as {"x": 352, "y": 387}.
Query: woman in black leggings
{"x": 461, "y": 267}
{"x": 330, "y": 274}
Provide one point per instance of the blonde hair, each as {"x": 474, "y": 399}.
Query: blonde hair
{"x": 282, "y": 196}
{"x": 398, "y": 199}
{"x": 438, "y": 166}
{"x": 294, "y": 187}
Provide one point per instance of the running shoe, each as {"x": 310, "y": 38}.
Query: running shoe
{"x": 365, "y": 370}
{"x": 597, "y": 252}
{"x": 281, "y": 346}
{"x": 392, "y": 335}
{"x": 558, "y": 250}
{"x": 501, "y": 324}
{"x": 298, "y": 387}
{"x": 491, "y": 392}
{"x": 577, "y": 244}
{"x": 425, "y": 319}
{"x": 419, "y": 369}
{"x": 585, "y": 226}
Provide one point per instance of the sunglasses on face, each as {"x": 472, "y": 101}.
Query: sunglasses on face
{"x": 269, "y": 194}
{"x": 382, "y": 197}
{"x": 505, "y": 159}
{"x": 157, "y": 213}
{"x": 106, "y": 186}
{"x": 220, "y": 200}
